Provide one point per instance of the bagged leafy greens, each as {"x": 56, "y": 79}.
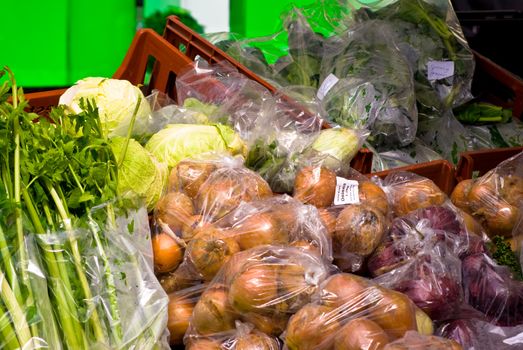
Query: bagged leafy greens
{"x": 373, "y": 86}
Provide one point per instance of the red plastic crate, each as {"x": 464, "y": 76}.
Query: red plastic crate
{"x": 477, "y": 163}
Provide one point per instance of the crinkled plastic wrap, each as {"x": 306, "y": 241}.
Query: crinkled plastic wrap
{"x": 293, "y": 142}
{"x": 262, "y": 286}
{"x": 477, "y": 334}
{"x": 214, "y": 211}
{"x": 354, "y": 210}
{"x": 238, "y": 97}
{"x": 415, "y": 153}
{"x": 491, "y": 289}
{"x": 244, "y": 337}
{"x": 446, "y": 135}
{"x": 370, "y": 84}
{"x": 180, "y": 309}
{"x": 415, "y": 341}
{"x": 407, "y": 192}
{"x": 429, "y": 35}
{"x": 495, "y": 199}
{"x": 118, "y": 302}
{"x": 351, "y": 312}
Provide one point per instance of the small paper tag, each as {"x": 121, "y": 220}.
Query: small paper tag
{"x": 347, "y": 192}
{"x": 327, "y": 84}
{"x": 440, "y": 69}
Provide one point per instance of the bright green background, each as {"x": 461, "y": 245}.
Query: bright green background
{"x": 56, "y": 42}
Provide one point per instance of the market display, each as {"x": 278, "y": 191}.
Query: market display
{"x": 228, "y": 217}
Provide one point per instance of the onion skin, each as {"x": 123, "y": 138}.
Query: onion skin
{"x": 204, "y": 344}
{"x": 316, "y": 186}
{"x": 496, "y": 215}
{"x": 174, "y": 209}
{"x": 226, "y": 188}
{"x": 256, "y": 341}
{"x": 512, "y": 189}
{"x": 179, "y": 314}
{"x": 213, "y": 313}
{"x": 188, "y": 176}
{"x": 416, "y": 195}
{"x": 373, "y": 196}
{"x": 361, "y": 333}
{"x": 255, "y": 289}
{"x": 271, "y": 325}
{"x": 329, "y": 220}
{"x": 394, "y": 312}
{"x": 167, "y": 253}
{"x": 294, "y": 290}
{"x": 209, "y": 250}
{"x": 313, "y": 327}
{"x": 359, "y": 230}
{"x": 192, "y": 227}
{"x": 459, "y": 196}
{"x": 178, "y": 279}
{"x": 310, "y": 247}
{"x": 342, "y": 288}
{"x": 258, "y": 229}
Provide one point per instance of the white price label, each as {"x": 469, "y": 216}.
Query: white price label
{"x": 440, "y": 69}
{"x": 347, "y": 191}
{"x": 327, "y": 84}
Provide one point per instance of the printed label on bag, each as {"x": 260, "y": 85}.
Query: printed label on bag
{"x": 327, "y": 84}
{"x": 347, "y": 192}
{"x": 440, "y": 69}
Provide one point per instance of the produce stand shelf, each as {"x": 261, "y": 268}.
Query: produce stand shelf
{"x": 477, "y": 163}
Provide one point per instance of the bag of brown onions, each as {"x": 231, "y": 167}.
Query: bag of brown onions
{"x": 352, "y": 312}
{"x": 262, "y": 286}
{"x": 354, "y": 210}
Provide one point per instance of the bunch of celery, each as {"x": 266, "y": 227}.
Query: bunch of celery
{"x": 69, "y": 278}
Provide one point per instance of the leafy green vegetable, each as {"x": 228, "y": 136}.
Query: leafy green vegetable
{"x": 139, "y": 173}
{"x": 336, "y": 146}
{"x": 115, "y": 100}
{"x": 503, "y": 254}
{"x": 179, "y": 141}
{"x": 482, "y": 112}
{"x": 61, "y": 238}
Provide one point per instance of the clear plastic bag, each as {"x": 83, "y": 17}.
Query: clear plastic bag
{"x": 373, "y": 86}
{"x": 491, "y": 289}
{"x": 478, "y": 334}
{"x": 215, "y": 210}
{"x": 119, "y": 302}
{"x": 349, "y": 312}
{"x": 495, "y": 199}
{"x": 354, "y": 210}
{"x": 429, "y": 35}
{"x": 416, "y": 341}
{"x": 415, "y": 153}
{"x": 262, "y": 286}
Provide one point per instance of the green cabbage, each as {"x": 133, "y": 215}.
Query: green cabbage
{"x": 139, "y": 174}
{"x": 116, "y": 101}
{"x": 179, "y": 141}
{"x": 337, "y": 146}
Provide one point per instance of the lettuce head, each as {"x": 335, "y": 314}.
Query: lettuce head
{"x": 139, "y": 174}
{"x": 176, "y": 142}
{"x": 116, "y": 100}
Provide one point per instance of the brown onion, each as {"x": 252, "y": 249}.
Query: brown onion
{"x": 329, "y": 220}
{"x": 174, "y": 209}
{"x": 167, "y": 253}
{"x": 189, "y": 175}
{"x": 256, "y": 341}
{"x": 204, "y": 344}
{"x": 313, "y": 327}
{"x": 316, "y": 186}
{"x": 213, "y": 313}
{"x": 255, "y": 289}
{"x": 179, "y": 314}
{"x": 361, "y": 333}
{"x": 272, "y": 325}
{"x": 343, "y": 288}
{"x": 258, "y": 229}
{"x": 209, "y": 250}
{"x": 459, "y": 196}
{"x": 373, "y": 196}
{"x": 416, "y": 195}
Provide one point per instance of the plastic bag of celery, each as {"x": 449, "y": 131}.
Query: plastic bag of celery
{"x": 430, "y": 36}
{"x": 127, "y": 309}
